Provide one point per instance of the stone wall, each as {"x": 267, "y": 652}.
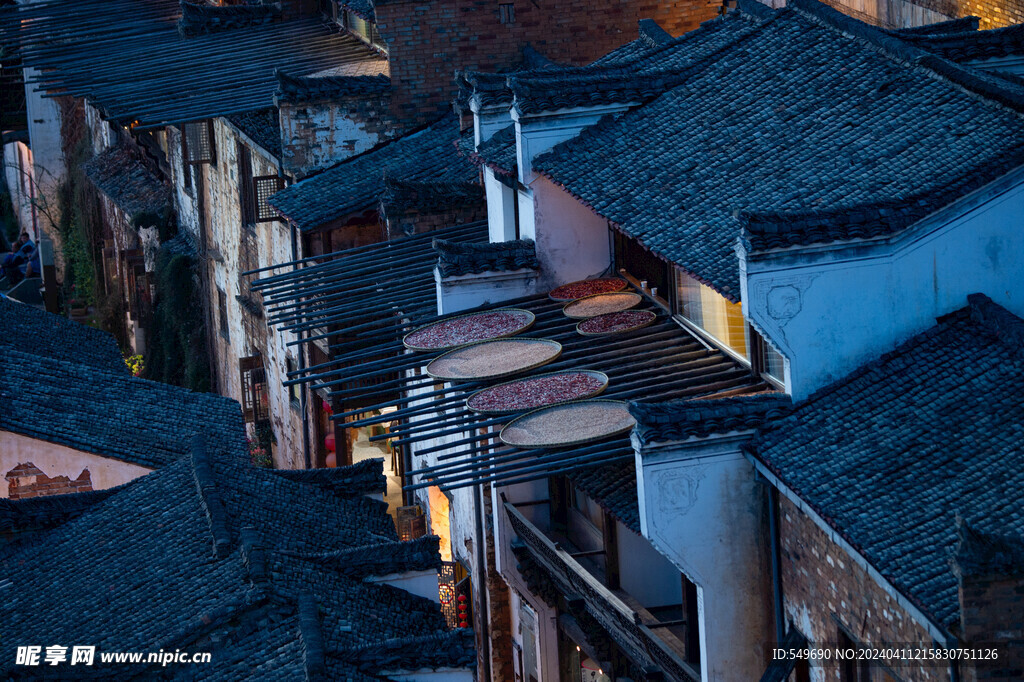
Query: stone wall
{"x": 273, "y": 245}
{"x": 823, "y": 588}
{"x": 428, "y": 40}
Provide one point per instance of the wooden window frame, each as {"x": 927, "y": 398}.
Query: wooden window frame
{"x": 208, "y": 155}
{"x": 263, "y": 186}
{"x": 507, "y": 13}
{"x": 253, "y": 378}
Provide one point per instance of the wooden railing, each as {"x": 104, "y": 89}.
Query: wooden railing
{"x": 622, "y": 623}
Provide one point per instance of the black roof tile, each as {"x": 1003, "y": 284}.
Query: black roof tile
{"x": 850, "y": 123}
{"x": 107, "y": 412}
{"x": 613, "y": 487}
{"x": 30, "y": 330}
{"x": 121, "y": 175}
{"x": 463, "y": 258}
{"x": 198, "y": 18}
{"x": 262, "y": 126}
{"x": 356, "y": 184}
{"x": 138, "y": 570}
{"x": 498, "y": 152}
{"x": 893, "y": 453}
{"x": 681, "y": 419}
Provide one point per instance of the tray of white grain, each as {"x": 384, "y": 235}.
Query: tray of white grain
{"x": 493, "y": 359}
{"x": 602, "y": 304}
{"x": 568, "y": 424}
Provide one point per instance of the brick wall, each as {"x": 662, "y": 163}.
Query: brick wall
{"x": 26, "y": 480}
{"x": 820, "y": 585}
{"x": 429, "y": 39}
{"x": 992, "y": 614}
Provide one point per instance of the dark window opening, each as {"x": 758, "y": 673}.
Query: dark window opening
{"x": 692, "y": 616}
{"x": 507, "y": 13}
{"x": 639, "y": 264}
{"x": 255, "y": 402}
{"x": 246, "y": 202}
{"x": 222, "y": 313}
{"x": 852, "y": 670}
{"x": 295, "y": 390}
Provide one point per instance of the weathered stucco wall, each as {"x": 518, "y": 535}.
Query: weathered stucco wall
{"x": 702, "y": 507}
{"x": 316, "y": 135}
{"x": 55, "y": 460}
{"x": 829, "y": 309}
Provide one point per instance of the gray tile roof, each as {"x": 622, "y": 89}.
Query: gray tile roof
{"x": 118, "y": 173}
{"x": 892, "y": 454}
{"x": 356, "y": 184}
{"x": 970, "y": 43}
{"x": 498, "y": 152}
{"x": 106, "y": 411}
{"x": 138, "y": 571}
{"x": 199, "y": 18}
{"x": 613, "y": 487}
{"x": 262, "y": 126}
{"x": 848, "y": 126}
{"x": 29, "y": 330}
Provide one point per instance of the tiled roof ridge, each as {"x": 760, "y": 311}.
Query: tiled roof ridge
{"x": 621, "y": 83}
{"x": 651, "y": 33}
{"x": 209, "y": 497}
{"x": 254, "y": 554}
{"x": 780, "y": 229}
{"x": 452, "y": 649}
{"x": 297, "y": 89}
{"x": 495, "y": 88}
{"x": 463, "y": 258}
{"x": 36, "y": 513}
{"x": 361, "y": 478}
{"x": 312, "y": 636}
{"x": 990, "y": 89}
{"x": 198, "y": 17}
{"x": 972, "y": 44}
{"x": 382, "y": 558}
{"x": 681, "y": 419}
{"x": 953, "y": 26}
{"x": 985, "y": 554}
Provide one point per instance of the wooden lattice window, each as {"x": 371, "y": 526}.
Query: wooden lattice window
{"x": 255, "y": 399}
{"x": 411, "y": 522}
{"x": 263, "y": 187}
{"x": 197, "y": 142}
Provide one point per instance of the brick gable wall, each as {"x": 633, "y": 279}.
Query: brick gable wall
{"x": 821, "y": 584}
{"x": 26, "y": 480}
{"x": 428, "y": 40}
